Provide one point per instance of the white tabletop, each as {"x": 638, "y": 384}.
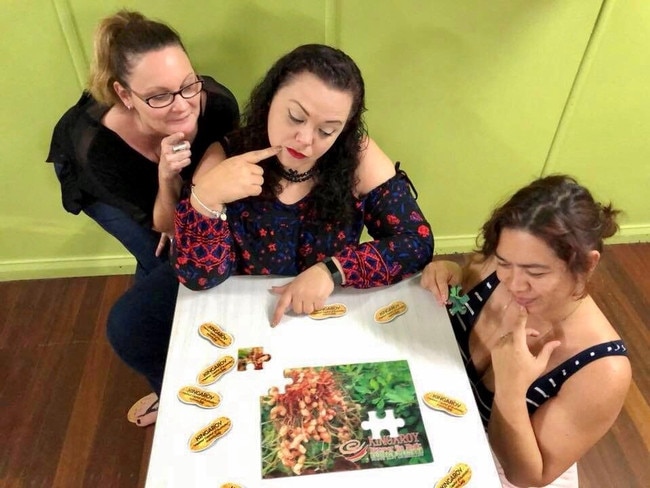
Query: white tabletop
{"x": 242, "y": 305}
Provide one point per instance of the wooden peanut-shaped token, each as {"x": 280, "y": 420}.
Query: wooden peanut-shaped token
{"x": 207, "y": 436}
{"x": 329, "y": 312}
{"x": 458, "y": 476}
{"x": 193, "y": 395}
{"x": 215, "y": 334}
{"x": 446, "y": 404}
{"x": 390, "y": 312}
{"x": 216, "y": 370}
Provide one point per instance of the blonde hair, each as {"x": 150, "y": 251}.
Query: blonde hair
{"x": 119, "y": 40}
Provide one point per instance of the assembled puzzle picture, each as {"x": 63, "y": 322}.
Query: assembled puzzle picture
{"x": 345, "y": 417}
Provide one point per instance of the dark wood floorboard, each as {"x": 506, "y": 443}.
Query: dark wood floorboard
{"x": 64, "y": 394}
{"x": 621, "y": 287}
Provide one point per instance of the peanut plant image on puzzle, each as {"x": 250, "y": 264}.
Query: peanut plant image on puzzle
{"x": 344, "y": 417}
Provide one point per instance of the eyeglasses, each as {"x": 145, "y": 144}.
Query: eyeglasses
{"x": 163, "y": 100}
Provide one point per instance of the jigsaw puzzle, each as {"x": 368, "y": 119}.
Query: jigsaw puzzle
{"x": 254, "y": 356}
{"x": 344, "y": 417}
{"x": 457, "y": 301}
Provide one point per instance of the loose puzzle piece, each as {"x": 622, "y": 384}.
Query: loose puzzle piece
{"x": 388, "y": 423}
{"x": 458, "y": 476}
{"x": 457, "y": 300}
{"x": 390, "y": 312}
{"x": 254, "y": 356}
{"x": 315, "y": 424}
{"x": 209, "y": 434}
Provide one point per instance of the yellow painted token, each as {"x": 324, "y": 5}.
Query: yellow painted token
{"x": 458, "y": 476}
{"x": 215, "y": 334}
{"x": 390, "y": 312}
{"x": 216, "y": 370}
{"x": 193, "y": 395}
{"x": 207, "y": 436}
{"x": 329, "y": 311}
{"x": 231, "y": 485}
{"x": 446, "y": 404}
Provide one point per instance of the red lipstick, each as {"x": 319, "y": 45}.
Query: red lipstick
{"x": 295, "y": 154}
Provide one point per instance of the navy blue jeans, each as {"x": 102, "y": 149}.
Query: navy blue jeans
{"x": 137, "y": 239}
{"x": 140, "y": 323}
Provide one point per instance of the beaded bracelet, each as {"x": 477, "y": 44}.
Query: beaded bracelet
{"x": 217, "y": 214}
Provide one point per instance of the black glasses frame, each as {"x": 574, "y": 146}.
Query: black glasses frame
{"x": 180, "y": 91}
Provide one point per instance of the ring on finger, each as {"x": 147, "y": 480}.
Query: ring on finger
{"x": 179, "y": 147}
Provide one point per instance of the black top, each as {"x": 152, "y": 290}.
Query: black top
{"x": 543, "y": 388}
{"x": 98, "y": 165}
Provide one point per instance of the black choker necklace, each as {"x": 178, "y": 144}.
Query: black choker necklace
{"x": 293, "y": 176}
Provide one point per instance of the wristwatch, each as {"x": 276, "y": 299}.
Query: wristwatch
{"x": 334, "y": 270}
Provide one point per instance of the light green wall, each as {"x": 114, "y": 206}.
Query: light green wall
{"x": 475, "y": 98}
{"x": 468, "y": 95}
{"x": 605, "y": 135}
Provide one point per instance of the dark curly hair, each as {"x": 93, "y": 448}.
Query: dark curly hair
{"x": 559, "y": 211}
{"x": 336, "y": 176}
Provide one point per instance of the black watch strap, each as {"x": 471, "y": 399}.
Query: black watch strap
{"x": 334, "y": 270}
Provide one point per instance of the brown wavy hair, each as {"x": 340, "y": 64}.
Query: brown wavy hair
{"x": 559, "y": 211}
{"x": 119, "y": 40}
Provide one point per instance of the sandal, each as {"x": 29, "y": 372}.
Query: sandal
{"x": 145, "y": 411}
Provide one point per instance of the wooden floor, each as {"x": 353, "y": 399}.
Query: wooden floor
{"x": 64, "y": 395}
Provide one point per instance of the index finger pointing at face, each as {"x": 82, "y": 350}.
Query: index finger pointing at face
{"x": 262, "y": 154}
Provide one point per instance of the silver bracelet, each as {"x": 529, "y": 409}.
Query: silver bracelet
{"x": 214, "y": 213}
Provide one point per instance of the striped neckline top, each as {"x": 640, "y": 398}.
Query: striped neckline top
{"x": 542, "y": 389}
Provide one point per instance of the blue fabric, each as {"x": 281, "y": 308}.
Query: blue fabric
{"x": 137, "y": 239}
{"x": 265, "y": 236}
{"x": 139, "y": 324}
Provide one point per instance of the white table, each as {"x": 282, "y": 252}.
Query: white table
{"x": 243, "y": 305}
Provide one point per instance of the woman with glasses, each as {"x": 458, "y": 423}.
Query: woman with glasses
{"x": 146, "y": 118}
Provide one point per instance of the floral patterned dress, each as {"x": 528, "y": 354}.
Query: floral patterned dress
{"x": 263, "y": 237}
